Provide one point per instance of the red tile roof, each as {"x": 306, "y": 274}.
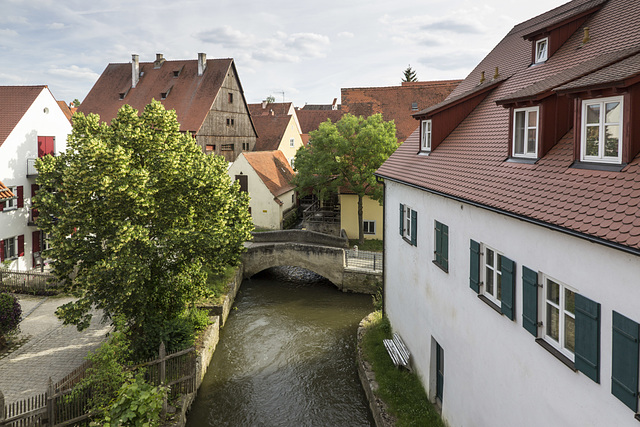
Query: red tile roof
{"x": 311, "y": 119}
{"x": 469, "y": 165}
{"x": 66, "y": 110}
{"x": 396, "y": 102}
{"x": 14, "y": 103}
{"x": 273, "y": 169}
{"x": 5, "y": 193}
{"x": 270, "y": 131}
{"x": 278, "y": 108}
{"x": 190, "y": 95}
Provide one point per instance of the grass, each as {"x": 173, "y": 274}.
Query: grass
{"x": 400, "y": 390}
{"x": 372, "y": 245}
{"x": 218, "y": 282}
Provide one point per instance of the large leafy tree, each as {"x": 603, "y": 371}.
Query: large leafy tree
{"x": 346, "y": 154}
{"x": 136, "y": 214}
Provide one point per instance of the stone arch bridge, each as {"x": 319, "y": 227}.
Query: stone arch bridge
{"x": 328, "y": 256}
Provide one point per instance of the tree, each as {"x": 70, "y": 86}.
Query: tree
{"x": 271, "y": 99}
{"x": 346, "y": 154}
{"x": 134, "y": 211}
{"x": 76, "y": 103}
{"x": 409, "y": 75}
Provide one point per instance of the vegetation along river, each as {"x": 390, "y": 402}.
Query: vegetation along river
{"x": 286, "y": 357}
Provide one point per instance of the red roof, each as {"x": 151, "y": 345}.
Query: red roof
{"x": 396, "y": 103}
{"x": 266, "y": 109}
{"x": 273, "y": 169}
{"x": 190, "y": 95}
{"x": 270, "y": 130}
{"x": 311, "y": 119}
{"x": 14, "y": 103}
{"x": 470, "y": 163}
{"x": 66, "y": 109}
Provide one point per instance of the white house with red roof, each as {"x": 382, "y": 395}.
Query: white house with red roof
{"x": 32, "y": 125}
{"x": 512, "y": 238}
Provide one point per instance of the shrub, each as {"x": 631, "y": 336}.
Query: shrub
{"x": 199, "y": 319}
{"x": 138, "y": 404}
{"x": 10, "y": 313}
{"x": 177, "y": 334}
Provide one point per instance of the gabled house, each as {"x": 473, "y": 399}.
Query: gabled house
{"x": 266, "y": 176}
{"x": 32, "y": 125}
{"x": 205, "y": 93}
{"x": 512, "y": 238}
{"x": 277, "y": 127}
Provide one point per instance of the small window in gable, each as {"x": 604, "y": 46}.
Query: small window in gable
{"x": 414, "y": 106}
{"x": 425, "y": 137}
{"x": 601, "y": 131}
{"x": 542, "y": 50}
{"x": 525, "y": 132}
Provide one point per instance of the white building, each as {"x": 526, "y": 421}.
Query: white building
{"x": 512, "y": 228}
{"x": 32, "y": 124}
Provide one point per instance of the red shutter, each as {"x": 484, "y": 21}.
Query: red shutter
{"x": 50, "y": 145}
{"x": 1, "y": 206}
{"x": 34, "y": 211}
{"x": 34, "y": 189}
{"x": 35, "y": 245}
{"x": 42, "y": 142}
{"x": 20, "y": 196}
{"x": 21, "y": 245}
{"x": 1, "y": 250}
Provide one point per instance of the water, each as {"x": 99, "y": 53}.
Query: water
{"x": 286, "y": 357}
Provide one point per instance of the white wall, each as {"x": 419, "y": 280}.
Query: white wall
{"x": 495, "y": 372}
{"x": 21, "y": 145}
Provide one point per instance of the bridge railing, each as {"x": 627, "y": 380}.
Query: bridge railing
{"x": 363, "y": 259}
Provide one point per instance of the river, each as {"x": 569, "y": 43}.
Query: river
{"x": 286, "y": 357}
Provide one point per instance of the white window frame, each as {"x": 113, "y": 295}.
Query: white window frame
{"x": 292, "y": 142}
{"x": 367, "y": 229}
{"x": 406, "y": 223}
{"x": 560, "y": 344}
{"x": 600, "y": 158}
{"x": 12, "y": 203}
{"x": 425, "y": 135}
{"x": 527, "y": 126}
{"x": 542, "y": 56}
{"x": 11, "y": 242}
{"x": 496, "y": 274}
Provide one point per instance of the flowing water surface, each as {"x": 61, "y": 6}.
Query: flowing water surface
{"x": 286, "y": 357}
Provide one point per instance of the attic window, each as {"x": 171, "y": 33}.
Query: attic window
{"x": 425, "y": 138}
{"x": 164, "y": 95}
{"x": 226, "y": 147}
{"x": 542, "y": 49}
{"x": 230, "y": 98}
{"x": 176, "y": 73}
{"x": 122, "y": 94}
{"x": 414, "y": 106}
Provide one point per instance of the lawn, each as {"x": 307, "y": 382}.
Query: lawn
{"x": 372, "y": 245}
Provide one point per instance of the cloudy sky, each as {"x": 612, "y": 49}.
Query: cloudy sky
{"x": 307, "y": 49}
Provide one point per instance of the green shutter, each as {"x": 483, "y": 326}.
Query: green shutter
{"x": 414, "y": 228}
{"x": 624, "y": 370}
{"x": 474, "y": 267}
{"x": 508, "y": 296}
{"x": 445, "y": 247}
{"x": 401, "y": 219}
{"x": 588, "y": 337}
{"x": 530, "y": 300}
{"x": 438, "y": 251}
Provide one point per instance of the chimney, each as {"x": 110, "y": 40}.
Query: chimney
{"x": 586, "y": 37}
{"x": 202, "y": 63}
{"x": 334, "y": 104}
{"x": 264, "y": 104}
{"x": 135, "y": 70}
{"x": 159, "y": 61}
{"x": 271, "y": 113}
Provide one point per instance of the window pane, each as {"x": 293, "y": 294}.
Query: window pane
{"x": 569, "y": 301}
{"x": 489, "y": 257}
{"x": 569, "y": 333}
{"x": 612, "y": 112}
{"x": 553, "y": 292}
{"x": 532, "y": 122}
{"x": 518, "y": 138}
{"x": 611, "y": 140}
{"x": 489, "y": 280}
{"x": 552, "y": 322}
{"x": 531, "y": 141}
{"x": 593, "y": 114}
{"x": 592, "y": 140}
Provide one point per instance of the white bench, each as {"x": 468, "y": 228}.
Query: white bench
{"x": 398, "y": 351}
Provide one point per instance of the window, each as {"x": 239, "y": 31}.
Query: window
{"x": 230, "y": 98}
{"x": 209, "y": 148}
{"x": 409, "y": 224}
{"x": 492, "y": 277}
{"x": 243, "y": 180}
{"x": 245, "y": 146}
{"x": 542, "y": 48}
{"x": 414, "y": 106}
{"x": 228, "y": 122}
{"x": 226, "y": 147}
{"x": 601, "y": 136}
{"x": 13, "y": 202}
{"x": 441, "y": 251}
{"x": 560, "y": 317}
{"x": 369, "y": 227}
{"x": 10, "y": 248}
{"x": 291, "y": 142}
{"x": 292, "y": 161}
{"x": 232, "y": 122}
{"x": 492, "y": 274}
{"x": 525, "y": 132}
{"x": 46, "y": 145}
{"x": 425, "y": 139}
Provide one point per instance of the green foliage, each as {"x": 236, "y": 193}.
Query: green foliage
{"x": 199, "y": 319}
{"x": 135, "y": 210}
{"x": 217, "y": 282}
{"x": 10, "y": 315}
{"x": 346, "y": 154}
{"x": 76, "y": 103}
{"x": 409, "y": 75}
{"x": 372, "y": 245}
{"x": 137, "y": 404}
{"x": 177, "y": 333}
{"x": 399, "y": 389}
{"x": 271, "y": 99}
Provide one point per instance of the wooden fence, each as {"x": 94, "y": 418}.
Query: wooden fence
{"x": 25, "y": 281}
{"x": 58, "y": 407}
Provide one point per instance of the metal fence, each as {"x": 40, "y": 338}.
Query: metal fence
{"x": 364, "y": 259}
{"x": 26, "y": 281}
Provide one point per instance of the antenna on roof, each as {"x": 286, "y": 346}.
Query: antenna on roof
{"x": 282, "y": 92}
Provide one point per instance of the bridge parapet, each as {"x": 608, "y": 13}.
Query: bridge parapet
{"x": 300, "y": 236}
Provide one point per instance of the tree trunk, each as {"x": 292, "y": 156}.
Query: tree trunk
{"x": 360, "y": 230}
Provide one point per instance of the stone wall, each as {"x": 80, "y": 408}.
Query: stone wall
{"x": 361, "y": 282}
{"x": 300, "y": 236}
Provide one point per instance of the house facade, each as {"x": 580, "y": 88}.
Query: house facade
{"x": 372, "y": 217}
{"x": 32, "y": 125}
{"x": 512, "y": 239}
{"x": 278, "y": 132}
{"x": 205, "y": 93}
{"x": 266, "y": 176}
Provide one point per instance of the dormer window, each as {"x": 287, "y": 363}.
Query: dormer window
{"x": 542, "y": 50}
{"x": 525, "y": 132}
{"x": 601, "y": 133}
{"x": 425, "y": 135}
{"x": 414, "y": 106}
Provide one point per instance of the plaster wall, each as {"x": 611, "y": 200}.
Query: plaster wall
{"x": 20, "y": 145}
{"x": 291, "y": 132}
{"x": 371, "y": 211}
{"x": 495, "y": 374}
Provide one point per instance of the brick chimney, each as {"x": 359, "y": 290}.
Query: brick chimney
{"x": 135, "y": 70}
{"x": 202, "y": 63}
{"x": 159, "y": 61}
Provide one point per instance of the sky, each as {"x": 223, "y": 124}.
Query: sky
{"x": 300, "y": 51}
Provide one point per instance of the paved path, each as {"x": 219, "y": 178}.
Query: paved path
{"x": 52, "y": 350}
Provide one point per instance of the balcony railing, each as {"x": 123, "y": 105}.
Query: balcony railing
{"x": 31, "y": 167}
{"x": 324, "y": 214}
